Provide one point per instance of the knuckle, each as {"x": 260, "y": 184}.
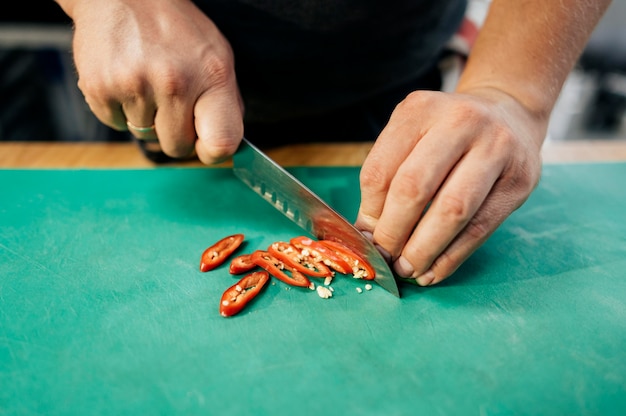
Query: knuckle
{"x": 465, "y": 112}
{"x": 93, "y": 88}
{"x": 132, "y": 82}
{"x": 219, "y": 70}
{"x": 502, "y": 137}
{"x": 419, "y": 97}
{"x": 99, "y": 102}
{"x": 415, "y": 101}
{"x": 526, "y": 177}
{"x": 409, "y": 188}
{"x": 373, "y": 176}
{"x": 123, "y": 84}
{"x": 454, "y": 209}
{"x": 477, "y": 230}
{"x": 171, "y": 81}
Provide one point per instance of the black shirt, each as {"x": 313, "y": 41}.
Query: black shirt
{"x": 297, "y": 58}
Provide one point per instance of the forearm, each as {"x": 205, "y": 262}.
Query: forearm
{"x": 526, "y": 49}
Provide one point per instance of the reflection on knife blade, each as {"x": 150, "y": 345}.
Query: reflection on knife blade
{"x": 302, "y": 206}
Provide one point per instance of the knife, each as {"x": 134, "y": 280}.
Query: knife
{"x": 298, "y": 203}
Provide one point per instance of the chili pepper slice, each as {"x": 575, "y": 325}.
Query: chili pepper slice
{"x": 328, "y": 256}
{"x": 217, "y": 254}
{"x": 275, "y": 267}
{"x": 361, "y": 269}
{"x": 241, "y": 264}
{"x": 236, "y": 297}
{"x": 299, "y": 260}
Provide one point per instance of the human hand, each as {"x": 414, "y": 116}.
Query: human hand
{"x": 446, "y": 171}
{"x": 161, "y": 63}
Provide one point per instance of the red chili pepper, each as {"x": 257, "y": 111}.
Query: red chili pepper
{"x": 275, "y": 267}
{"x": 219, "y": 252}
{"x": 241, "y": 264}
{"x": 328, "y": 256}
{"x": 360, "y": 268}
{"x": 302, "y": 262}
{"x": 236, "y": 297}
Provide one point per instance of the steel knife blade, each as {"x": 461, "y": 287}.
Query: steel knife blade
{"x": 298, "y": 203}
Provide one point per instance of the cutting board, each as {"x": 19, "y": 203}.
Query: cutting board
{"x": 103, "y": 309}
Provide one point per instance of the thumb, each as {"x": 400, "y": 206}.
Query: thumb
{"x": 218, "y": 117}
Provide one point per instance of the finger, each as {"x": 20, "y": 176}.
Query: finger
{"x": 494, "y": 211}
{"x": 455, "y": 204}
{"x": 134, "y": 112}
{"x": 388, "y": 153}
{"x": 174, "y": 125}
{"x": 413, "y": 187}
{"x": 108, "y": 111}
{"x": 140, "y": 112}
{"x": 219, "y": 123}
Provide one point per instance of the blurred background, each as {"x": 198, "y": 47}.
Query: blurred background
{"x": 39, "y": 99}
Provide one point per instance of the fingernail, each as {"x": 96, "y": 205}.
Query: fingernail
{"x": 426, "y": 278}
{"x": 403, "y": 267}
{"x": 368, "y": 235}
{"x": 383, "y": 253}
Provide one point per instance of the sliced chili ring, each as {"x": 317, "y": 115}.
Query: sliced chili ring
{"x": 294, "y": 257}
{"x": 236, "y": 297}
{"x": 217, "y": 253}
{"x": 361, "y": 269}
{"x": 241, "y": 264}
{"x": 329, "y": 256}
{"x": 276, "y": 268}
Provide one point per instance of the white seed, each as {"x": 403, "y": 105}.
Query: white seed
{"x": 368, "y": 287}
{"x": 359, "y": 274}
{"x": 324, "y": 293}
{"x": 328, "y": 280}
{"x": 359, "y": 290}
{"x": 312, "y": 286}
{"x": 238, "y": 288}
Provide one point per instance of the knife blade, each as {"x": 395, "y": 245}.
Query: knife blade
{"x": 302, "y": 206}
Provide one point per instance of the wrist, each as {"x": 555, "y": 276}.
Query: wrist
{"x": 535, "y": 101}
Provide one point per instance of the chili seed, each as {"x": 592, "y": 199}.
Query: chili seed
{"x": 324, "y": 293}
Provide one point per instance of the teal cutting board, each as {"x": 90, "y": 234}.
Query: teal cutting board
{"x": 103, "y": 309}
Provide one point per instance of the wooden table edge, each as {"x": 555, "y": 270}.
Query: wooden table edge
{"x": 127, "y": 155}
